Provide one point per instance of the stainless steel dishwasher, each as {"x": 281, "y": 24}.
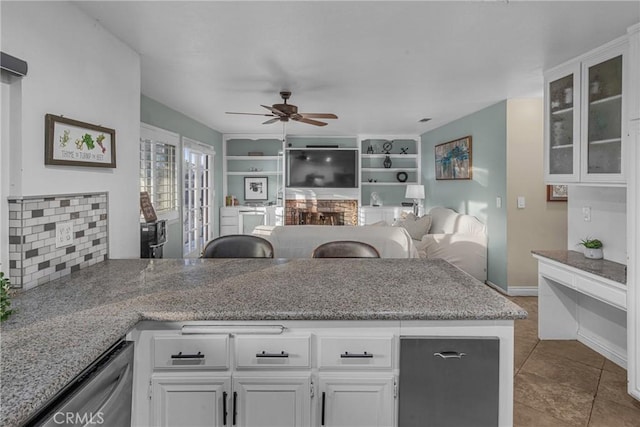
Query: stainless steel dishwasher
{"x": 449, "y": 382}
{"x": 100, "y": 395}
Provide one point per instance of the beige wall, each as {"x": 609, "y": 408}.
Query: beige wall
{"x": 541, "y": 224}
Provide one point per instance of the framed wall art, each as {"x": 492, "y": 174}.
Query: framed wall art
{"x": 256, "y": 188}
{"x": 70, "y": 142}
{"x": 453, "y": 159}
{"x": 556, "y": 193}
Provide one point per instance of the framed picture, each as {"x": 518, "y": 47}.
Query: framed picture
{"x": 556, "y": 193}
{"x": 256, "y": 188}
{"x": 147, "y": 208}
{"x": 453, "y": 159}
{"x": 69, "y": 142}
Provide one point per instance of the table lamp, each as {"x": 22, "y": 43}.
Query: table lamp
{"x": 415, "y": 192}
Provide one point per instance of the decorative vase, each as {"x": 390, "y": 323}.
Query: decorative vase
{"x": 387, "y": 162}
{"x": 593, "y": 253}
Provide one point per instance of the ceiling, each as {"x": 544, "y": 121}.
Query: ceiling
{"x": 380, "y": 66}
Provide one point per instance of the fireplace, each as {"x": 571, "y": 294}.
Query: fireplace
{"x": 321, "y": 212}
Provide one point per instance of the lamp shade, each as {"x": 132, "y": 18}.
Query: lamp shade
{"x": 414, "y": 191}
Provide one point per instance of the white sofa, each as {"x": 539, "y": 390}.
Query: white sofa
{"x": 457, "y": 238}
{"x": 299, "y": 241}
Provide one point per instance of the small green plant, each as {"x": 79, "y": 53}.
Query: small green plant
{"x": 591, "y": 243}
{"x": 5, "y": 299}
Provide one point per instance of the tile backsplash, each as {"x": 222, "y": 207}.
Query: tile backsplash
{"x": 35, "y": 257}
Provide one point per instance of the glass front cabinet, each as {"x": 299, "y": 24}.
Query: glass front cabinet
{"x": 584, "y": 118}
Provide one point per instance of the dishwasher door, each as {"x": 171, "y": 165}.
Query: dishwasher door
{"x": 449, "y": 381}
{"x": 100, "y": 395}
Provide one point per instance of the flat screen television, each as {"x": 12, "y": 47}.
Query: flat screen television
{"x": 322, "y": 168}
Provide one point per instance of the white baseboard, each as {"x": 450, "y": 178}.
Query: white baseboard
{"x": 516, "y": 291}
{"x": 523, "y": 291}
{"x": 608, "y": 350}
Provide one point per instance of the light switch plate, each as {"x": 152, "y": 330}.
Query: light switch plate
{"x": 586, "y": 213}
{"x": 64, "y": 234}
{"x": 521, "y": 202}
{"x": 498, "y": 202}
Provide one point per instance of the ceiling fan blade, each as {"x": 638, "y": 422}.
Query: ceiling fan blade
{"x": 268, "y": 122}
{"x": 319, "y": 115}
{"x": 274, "y": 110}
{"x": 309, "y": 121}
{"x": 251, "y": 114}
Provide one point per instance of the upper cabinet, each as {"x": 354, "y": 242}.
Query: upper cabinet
{"x": 584, "y": 118}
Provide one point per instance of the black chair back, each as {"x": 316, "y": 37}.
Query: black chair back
{"x": 238, "y": 246}
{"x": 345, "y": 249}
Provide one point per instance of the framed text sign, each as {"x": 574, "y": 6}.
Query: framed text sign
{"x": 69, "y": 142}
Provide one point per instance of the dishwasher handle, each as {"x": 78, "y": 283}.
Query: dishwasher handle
{"x": 449, "y": 354}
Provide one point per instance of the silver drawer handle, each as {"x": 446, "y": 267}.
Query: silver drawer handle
{"x": 450, "y": 354}
{"x": 365, "y": 355}
{"x": 265, "y": 354}
{"x": 187, "y": 356}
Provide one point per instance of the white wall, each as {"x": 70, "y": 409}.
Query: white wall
{"x": 608, "y": 219}
{"x": 79, "y": 70}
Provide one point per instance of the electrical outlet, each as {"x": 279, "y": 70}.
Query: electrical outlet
{"x": 521, "y": 202}
{"x": 586, "y": 213}
{"x": 64, "y": 234}
{"x": 498, "y": 202}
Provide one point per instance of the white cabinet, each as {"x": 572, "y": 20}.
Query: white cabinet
{"x": 189, "y": 399}
{"x": 585, "y": 112}
{"x": 243, "y": 219}
{"x": 372, "y": 214}
{"x": 357, "y": 401}
{"x": 273, "y": 400}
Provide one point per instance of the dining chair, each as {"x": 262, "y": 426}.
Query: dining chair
{"x": 345, "y": 249}
{"x": 238, "y": 246}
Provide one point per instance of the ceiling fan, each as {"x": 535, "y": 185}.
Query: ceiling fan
{"x": 285, "y": 112}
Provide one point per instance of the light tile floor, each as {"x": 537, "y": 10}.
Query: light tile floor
{"x": 565, "y": 383}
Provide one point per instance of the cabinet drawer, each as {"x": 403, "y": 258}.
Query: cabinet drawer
{"x": 229, "y": 220}
{"x": 602, "y": 291}
{"x": 561, "y": 276}
{"x": 273, "y": 352}
{"x": 355, "y": 352}
{"x": 190, "y": 352}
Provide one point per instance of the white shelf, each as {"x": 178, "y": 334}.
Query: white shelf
{"x": 563, "y": 111}
{"x": 253, "y": 157}
{"x": 605, "y": 141}
{"x": 392, "y": 156}
{"x": 254, "y": 173}
{"x": 389, "y": 169}
{"x": 605, "y": 100}
{"x": 387, "y": 183}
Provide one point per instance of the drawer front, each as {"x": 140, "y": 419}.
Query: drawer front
{"x": 191, "y": 352}
{"x": 602, "y": 291}
{"x": 273, "y": 352}
{"x": 229, "y": 220}
{"x": 561, "y": 276}
{"x": 355, "y": 352}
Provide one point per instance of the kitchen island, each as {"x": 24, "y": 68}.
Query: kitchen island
{"x": 61, "y": 327}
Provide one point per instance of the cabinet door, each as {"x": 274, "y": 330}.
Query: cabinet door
{"x": 602, "y": 117}
{"x": 274, "y": 401}
{"x": 186, "y": 400}
{"x": 562, "y": 125}
{"x": 357, "y": 402}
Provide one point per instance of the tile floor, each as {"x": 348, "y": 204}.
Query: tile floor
{"x": 564, "y": 383}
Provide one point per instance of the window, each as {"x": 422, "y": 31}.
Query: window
{"x": 159, "y": 169}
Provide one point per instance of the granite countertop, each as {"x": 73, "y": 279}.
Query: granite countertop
{"x": 600, "y": 267}
{"x": 61, "y": 327}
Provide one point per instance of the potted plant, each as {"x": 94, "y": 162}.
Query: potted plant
{"x": 5, "y": 300}
{"x": 592, "y": 248}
